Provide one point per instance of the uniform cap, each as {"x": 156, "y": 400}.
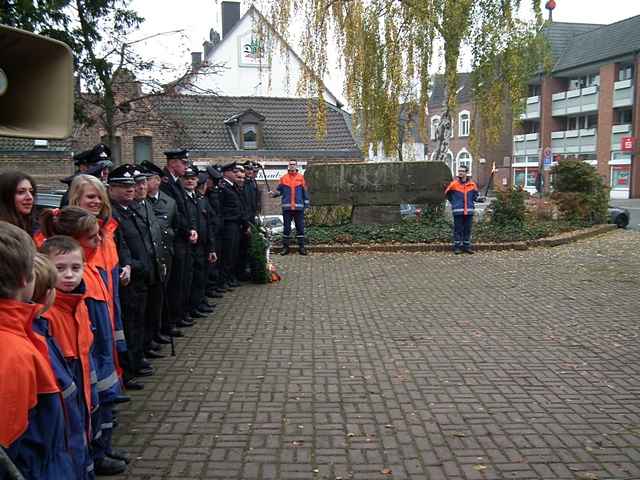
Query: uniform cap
{"x": 123, "y": 175}
{"x": 152, "y": 168}
{"x": 178, "y": 153}
{"x": 191, "y": 171}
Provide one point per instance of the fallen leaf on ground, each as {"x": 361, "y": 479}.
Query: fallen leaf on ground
{"x": 387, "y": 471}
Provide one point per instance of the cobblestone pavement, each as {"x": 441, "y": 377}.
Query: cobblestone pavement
{"x": 501, "y": 365}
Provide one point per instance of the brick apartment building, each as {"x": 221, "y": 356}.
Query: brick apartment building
{"x": 586, "y": 109}
{"x": 464, "y": 119}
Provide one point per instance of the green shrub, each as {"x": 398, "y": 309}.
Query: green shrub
{"x": 579, "y": 192}
{"x": 508, "y": 209}
{"x": 329, "y": 215}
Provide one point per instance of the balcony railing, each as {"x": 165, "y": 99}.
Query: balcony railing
{"x": 623, "y": 94}
{"x": 575, "y": 101}
{"x": 528, "y": 144}
{"x": 532, "y": 109}
{"x": 617, "y": 132}
{"x": 574, "y": 141}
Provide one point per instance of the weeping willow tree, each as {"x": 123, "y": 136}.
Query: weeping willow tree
{"x": 389, "y": 47}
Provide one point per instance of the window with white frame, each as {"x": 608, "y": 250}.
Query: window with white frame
{"x": 435, "y": 121}
{"x": 464, "y": 123}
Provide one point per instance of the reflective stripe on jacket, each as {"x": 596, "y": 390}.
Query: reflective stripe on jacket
{"x": 462, "y": 196}
{"x": 293, "y": 190}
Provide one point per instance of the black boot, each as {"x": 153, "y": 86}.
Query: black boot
{"x": 108, "y": 466}
{"x": 302, "y": 250}
{"x": 285, "y": 246}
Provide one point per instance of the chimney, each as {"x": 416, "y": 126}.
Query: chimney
{"x": 230, "y": 16}
{"x": 196, "y": 59}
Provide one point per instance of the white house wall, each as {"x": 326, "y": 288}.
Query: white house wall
{"x": 245, "y": 75}
{"x": 410, "y": 152}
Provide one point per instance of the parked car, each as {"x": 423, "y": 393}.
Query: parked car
{"x": 273, "y": 223}
{"x": 618, "y": 215}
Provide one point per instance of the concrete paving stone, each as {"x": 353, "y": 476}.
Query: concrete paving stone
{"x": 502, "y": 365}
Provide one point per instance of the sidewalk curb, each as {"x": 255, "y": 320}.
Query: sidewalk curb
{"x": 562, "y": 239}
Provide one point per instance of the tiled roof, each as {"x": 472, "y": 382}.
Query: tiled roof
{"x": 560, "y": 34}
{"x": 286, "y": 126}
{"x": 601, "y": 42}
{"x": 437, "y": 97}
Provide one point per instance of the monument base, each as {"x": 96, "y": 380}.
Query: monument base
{"x": 384, "y": 215}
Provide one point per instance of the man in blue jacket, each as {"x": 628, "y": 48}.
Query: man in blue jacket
{"x": 462, "y": 193}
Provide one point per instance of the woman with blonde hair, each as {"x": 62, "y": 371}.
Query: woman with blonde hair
{"x": 90, "y": 194}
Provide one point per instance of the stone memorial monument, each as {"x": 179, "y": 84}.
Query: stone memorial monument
{"x": 376, "y": 190}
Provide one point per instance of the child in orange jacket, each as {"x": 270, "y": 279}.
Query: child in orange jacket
{"x": 32, "y": 418}
{"x": 67, "y": 322}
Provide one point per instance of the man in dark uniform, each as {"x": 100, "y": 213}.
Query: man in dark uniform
{"x": 134, "y": 249}
{"x": 186, "y": 236}
{"x": 164, "y": 208}
{"x": 95, "y": 162}
{"x": 253, "y": 196}
{"x": 215, "y": 284}
{"x": 153, "y": 237}
{"x": 235, "y": 223}
{"x": 204, "y": 251}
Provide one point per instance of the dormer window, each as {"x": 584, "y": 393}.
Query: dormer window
{"x": 246, "y": 130}
{"x": 249, "y": 136}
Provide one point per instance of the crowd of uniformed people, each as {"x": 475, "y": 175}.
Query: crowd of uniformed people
{"x": 92, "y": 292}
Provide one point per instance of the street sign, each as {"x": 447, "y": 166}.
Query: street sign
{"x": 626, "y": 144}
{"x": 547, "y": 158}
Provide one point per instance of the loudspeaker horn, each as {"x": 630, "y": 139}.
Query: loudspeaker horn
{"x": 36, "y": 86}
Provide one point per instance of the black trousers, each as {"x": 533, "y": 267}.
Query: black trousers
{"x": 179, "y": 282}
{"x": 133, "y": 301}
{"x": 153, "y": 313}
{"x": 298, "y": 218}
{"x": 231, "y": 235}
{"x": 462, "y": 230}
{"x": 199, "y": 279}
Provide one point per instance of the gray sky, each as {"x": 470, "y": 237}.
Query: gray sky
{"x": 197, "y": 17}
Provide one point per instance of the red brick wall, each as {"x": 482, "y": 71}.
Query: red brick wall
{"x": 605, "y": 118}
{"x": 46, "y": 168}
{"x": 635, "y": 166}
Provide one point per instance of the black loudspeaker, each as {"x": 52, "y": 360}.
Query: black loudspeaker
{"x": 36, "y": 86}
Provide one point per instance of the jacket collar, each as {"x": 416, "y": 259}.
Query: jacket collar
{"x": 16, "y": 317}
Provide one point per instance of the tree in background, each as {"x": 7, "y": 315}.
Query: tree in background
{"x": 387, "y": 45}
{"x": 117, "y": 84}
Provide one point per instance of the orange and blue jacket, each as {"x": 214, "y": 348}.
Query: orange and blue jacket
{"x": 76, "y": 412}
{"x": 462, "y": 196}
{"x": 293, "y": 192}
{"x": 32, "y": 417}
{"x": 103, "y": 352}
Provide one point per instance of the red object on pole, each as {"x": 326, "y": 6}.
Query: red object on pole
{"x": 550, "y": 5}
{"x": 626, "y": 144}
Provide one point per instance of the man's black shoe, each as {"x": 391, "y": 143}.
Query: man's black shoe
{"x": 133, "y": 384}
{"x": 145, "y": 364}
{"x": 155, "y": 346}
{"x": 457, "y": 251}
{"x": 214, "y": 294}
{"x": 220, "y": 289}
{"x": 302, "y": 251}
{"x": 285, "y": 251}
{"x": 153, "y": 354}
{"x": 121, "y": 399}
{"x": 469, "y": 251}
{"x": 197, "y": 314}
{"x": 107, "y": 466}
{"x": 162, "y": 339}
{"x": 205, "y": 308}
{"x": 144, "y": 372}
{"x": 118, "y": 454}
{"x": 185, "y": 324}
{"x": 174, "y": 332}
